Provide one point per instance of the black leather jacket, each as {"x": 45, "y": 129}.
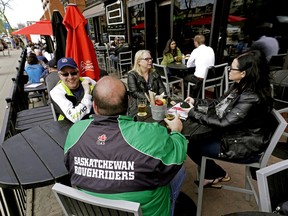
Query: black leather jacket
{"x": 138, "y": 86}
{"x": 245, "y": 122}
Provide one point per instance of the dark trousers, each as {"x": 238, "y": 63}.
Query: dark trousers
{"x": 209, "y": 148}
{"x": 195, "y": 89}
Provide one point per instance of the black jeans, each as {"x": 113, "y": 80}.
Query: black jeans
{"x": 196, "y": 89}
{"x": 206, "y": 147}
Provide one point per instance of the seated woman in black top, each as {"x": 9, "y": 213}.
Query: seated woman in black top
{"x": 240, "y": 117}
{"x": 142, "y": 78}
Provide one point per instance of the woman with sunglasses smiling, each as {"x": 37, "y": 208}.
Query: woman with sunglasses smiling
{"x": 143, "y": 78}
{"x": 239, "y": 118}
{"x": 72, "y": 96}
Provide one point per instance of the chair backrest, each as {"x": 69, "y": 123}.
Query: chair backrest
{"x": 76, "y": 202}
{"x": 159, "y": 60}
{"x": 277, "y": 61}
{"x": 162, "y": 71}
{"x": 51, "y": 80}
{"x": 125, "y": 58}
{"x": 214, "y": 78}
{"x": 272, "y": 184}
{"x": 277, "y": 125}
{"x": 101, "y": 59}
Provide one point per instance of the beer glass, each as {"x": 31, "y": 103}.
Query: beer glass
{"x": 170, "y": 116}
{"x": 142, "y": 107}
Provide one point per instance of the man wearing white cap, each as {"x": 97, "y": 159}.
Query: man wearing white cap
{"x": 72, "y": 96}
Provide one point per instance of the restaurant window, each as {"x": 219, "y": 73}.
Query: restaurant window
{"x": 115, "y": 20}
{"x": 137, "y": 23}
{"x": 91, "y": 29}
{"x": 97, "y": 29}
{"x": 189, "y": 19}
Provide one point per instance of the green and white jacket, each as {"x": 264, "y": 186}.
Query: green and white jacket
{"x": 68, "y": 105}
{"x": 118, "y": 158}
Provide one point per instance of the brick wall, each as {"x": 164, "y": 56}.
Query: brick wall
{"x": 57, "y": 5}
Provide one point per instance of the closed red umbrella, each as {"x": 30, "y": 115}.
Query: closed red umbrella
{"x": 78, "y": 44}
{"x": 42, "y": 27}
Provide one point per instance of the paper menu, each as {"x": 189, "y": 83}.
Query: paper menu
{"x": 183, "y": 112}
{"x": 33, "y": 85}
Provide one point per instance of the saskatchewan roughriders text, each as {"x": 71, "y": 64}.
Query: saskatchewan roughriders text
{"x": 104, "y": 169}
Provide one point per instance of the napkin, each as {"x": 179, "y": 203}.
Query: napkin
{"x": 183, "y": 112}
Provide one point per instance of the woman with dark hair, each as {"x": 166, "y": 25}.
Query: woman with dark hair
{"x": 171, "y": 53}
{"x": 240, "y": 118}
{"x": 33, "y": 68}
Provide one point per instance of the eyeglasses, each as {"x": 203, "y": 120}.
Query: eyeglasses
{"x": 66, "y": 74}
{"x": 147, "y": 59}
{"x": 230, "y": 69}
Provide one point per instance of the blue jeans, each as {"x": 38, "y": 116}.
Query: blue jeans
{"x": 175, "y": 186}
{"x": 114, "y": 59}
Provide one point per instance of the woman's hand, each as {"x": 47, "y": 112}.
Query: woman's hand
{"x": 190, "y": 100}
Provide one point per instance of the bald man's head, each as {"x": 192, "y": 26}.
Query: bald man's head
{"x": 110, "y": 97}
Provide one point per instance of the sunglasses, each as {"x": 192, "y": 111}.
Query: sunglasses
{"x": 230, "y": 69}
{"x": 66, "y": 74}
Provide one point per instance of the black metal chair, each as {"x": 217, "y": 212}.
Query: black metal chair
{"x": 214, "y": 79}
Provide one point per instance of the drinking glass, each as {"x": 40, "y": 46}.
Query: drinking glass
{"x": 171, "y": 115}
{"x": 142, "y": 107}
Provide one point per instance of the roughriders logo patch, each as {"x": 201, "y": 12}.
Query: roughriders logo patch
{"x": 86, "y": 66}
{"x": 101, "y": 139}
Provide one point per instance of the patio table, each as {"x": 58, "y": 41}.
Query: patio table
{"x": 180, "y": 70}
{"x": 37, "y": 87}
{"x": 27, "y": 119}
{"x": 33, "y": 158}
{"x": 191, "y": 129}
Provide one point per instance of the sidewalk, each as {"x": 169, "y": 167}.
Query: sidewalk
{"x": 8, "y": 66}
